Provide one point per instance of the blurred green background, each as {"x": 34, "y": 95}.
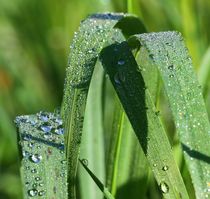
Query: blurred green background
{"x": 34, "y": 46}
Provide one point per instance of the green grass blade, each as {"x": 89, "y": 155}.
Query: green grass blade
{"x": 126, "y": 173}
{"x": 43, "y": 160}
{"x": 169, "y": 54}
{"x": 100, "y": 185}
{"x": 88, "y": 41}
{"x": 139, "y": 107}
{"x": 92, "y": 146}
{"x": 204, "y": 72}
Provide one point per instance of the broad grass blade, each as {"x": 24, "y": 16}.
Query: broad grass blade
{"x": 43, "y": 160}
{"x": 170, "y": 55}
{"x": 92, "y": 146}
{"x": 87, "y": 43}
{"x": 136, "y": 99}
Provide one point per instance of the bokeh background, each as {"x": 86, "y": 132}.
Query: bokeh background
{"x": 34, "y": 46}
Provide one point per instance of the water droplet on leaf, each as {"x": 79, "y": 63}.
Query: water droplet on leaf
{"x": 36, "y": 158}
{"x": 46, "y": 129}
{"x": 85, "y": 162}
{"x": 41, "y": 193}
{"x": 32, "y": 192}
{"x": 164, "y": 187}
{"x": 171, "y": 67}
{"x": 165, "y": 168}
{"x": 121, "y": 62}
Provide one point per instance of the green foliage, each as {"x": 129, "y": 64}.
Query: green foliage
{"x": 33, "y": 56}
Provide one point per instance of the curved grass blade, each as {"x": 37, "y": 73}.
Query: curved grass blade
{"x": 43, "y": 160}
{"x": 87, "y": 43}
{"x": 100, "y": 185}
{"x": 139, "y": 107}
{"x": 92, "y": 146}
{"x": 168, "y": 52}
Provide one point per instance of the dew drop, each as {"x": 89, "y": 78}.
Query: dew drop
{"x": 27, "y": 137}
{"x": 62, "y": 174}
{"x": 59, "y": 121}
{"x": 164, "y": 187}
{"x": 116, "y": 79}
{"x": 154, "y": 165}
{"x": 59, "y": 131}
{"x": 151, "y": 56}
{"x": 46, "y": 129}
{"x": 32, "y": 192}
{"x": 30, "y": 144}
{"x": 36, "y": 158}
{"x": 41, "y": 193}
{"x": 27, "y": 183}
{"x": 34, "y": 185}
{"x": 121, "y": 62}
{"x": 33, "y": 171}
{"x": 37, "y": 178}
{"x": 25, "y": 154}
{"x": 44, "y": 117}
{"x": 165, "y": 168}
{"x": 171, "y": 67}
{"x": 63, "y": 161}
{"x": 85, "y": 162}
{"x": 171, "y": 75}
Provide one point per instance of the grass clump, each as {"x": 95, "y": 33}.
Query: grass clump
{"x": 137, "y": 64}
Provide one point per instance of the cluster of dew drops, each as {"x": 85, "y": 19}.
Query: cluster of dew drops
{"x": 50, "y": 128}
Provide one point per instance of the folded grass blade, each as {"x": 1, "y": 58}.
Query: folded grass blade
{"x": 136, "y": 99}
{"x": 43, "y": 160}
{"x": 87, "y": 43}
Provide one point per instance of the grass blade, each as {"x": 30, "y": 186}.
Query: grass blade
{"x": 204, "y": 72}
{"x": 169, "y": 54}
{"x": 88, "y": 41}
{"x": 92, "y": 146}
{"x": 140, "y": 109}
{"x": 43, "y": 161}
{"x": 125, "y": 172}
{"x": 100, "y": 185}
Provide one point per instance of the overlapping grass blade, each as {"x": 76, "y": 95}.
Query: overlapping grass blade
{"x": 137, "y": 102}
{"x": 100, "y": 185}
{"x": 87, "y": 43}
{"x": 92, "y": 146}
{"x": 43, "y": 160}
{"x": 169, "y": 54}
{"x": 126, "y": 173}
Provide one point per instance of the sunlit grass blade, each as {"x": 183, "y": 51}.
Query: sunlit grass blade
{"x": 92, "y": 146}
{"x": 87, "y": 43}
{"x": 43, "y": 160}
{"x": 191, "y": 29}
{"x": 100, "y": 185}
{"x": 169, "y": 54}
{"x": 136, "y": 99}
{"x": 204, "y": 72}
